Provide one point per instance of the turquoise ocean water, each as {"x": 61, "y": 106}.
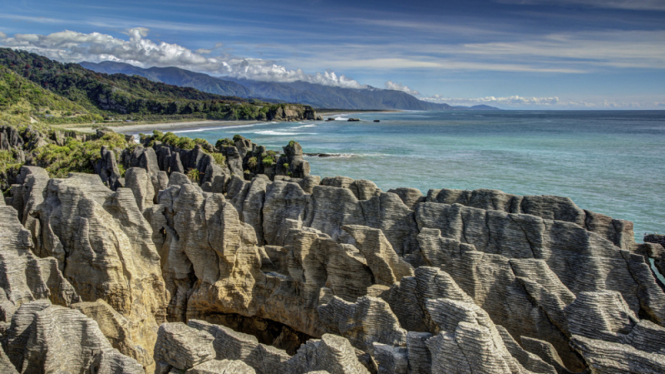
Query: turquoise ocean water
{"x": 611, "y": 162}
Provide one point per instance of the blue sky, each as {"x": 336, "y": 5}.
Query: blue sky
{"x": 584, "y": 54}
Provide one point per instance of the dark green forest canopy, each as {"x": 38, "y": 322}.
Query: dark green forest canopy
{"x": 122, "y": 94}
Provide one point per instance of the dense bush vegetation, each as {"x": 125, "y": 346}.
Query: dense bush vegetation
{"x": 21, "y": 100}
{"x": 76, "y": 156}
{"x": 132, "y": 97}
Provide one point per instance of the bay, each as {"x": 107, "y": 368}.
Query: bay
{"x": 611, "y": 162}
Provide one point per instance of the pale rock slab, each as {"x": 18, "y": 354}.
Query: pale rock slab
{"x": 116, "y": 328}
{"x": 103, "y": 246}
{"x": 45, "y": 338}
{"x": 365, "y": 322}
{"x": 23, "y": 276}
{"x": 183, "y": 347}
{"x": 331, "y": 353}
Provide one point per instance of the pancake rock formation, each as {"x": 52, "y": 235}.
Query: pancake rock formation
{"x": 285, "y": 272}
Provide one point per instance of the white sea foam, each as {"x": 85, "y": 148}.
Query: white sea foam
{"x": 348, "y": 155}
{"x": 282, "y": 133}
{"x": 303, "y": 126}
{"x": 201, "y": 129}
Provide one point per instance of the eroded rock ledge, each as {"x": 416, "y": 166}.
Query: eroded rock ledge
{"x": 329, "y": 275}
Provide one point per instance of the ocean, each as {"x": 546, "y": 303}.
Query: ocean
{"x": 611, "y": 162}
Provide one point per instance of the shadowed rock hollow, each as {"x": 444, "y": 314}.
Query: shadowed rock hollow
{"x": 294, "y": 274}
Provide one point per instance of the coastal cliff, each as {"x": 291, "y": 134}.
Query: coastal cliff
{"x": 246, "y": 263}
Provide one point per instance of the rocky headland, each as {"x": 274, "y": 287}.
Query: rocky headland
{"x": 230, "y": 258}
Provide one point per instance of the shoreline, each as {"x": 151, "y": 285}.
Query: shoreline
{"x": 126, "y": 128}
{"x": 164, "y": 126}
{"x": 331, "y": 112}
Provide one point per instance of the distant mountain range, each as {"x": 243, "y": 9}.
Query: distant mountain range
{"x": 35, "y": 85}
{"x": 316, "y": 95}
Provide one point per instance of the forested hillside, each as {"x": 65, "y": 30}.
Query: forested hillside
{"x": 139, "y": 97}
{"x": 22, "y": 101}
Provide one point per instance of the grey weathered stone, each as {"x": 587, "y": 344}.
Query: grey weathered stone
{"x": 546, "y": 352}
{"x": 545, "y": 206}
{"x": 233, "y": 345}
{"x": 606, "y": 357}
{"x": 183, "y": 347}
{"x": 44, "y": 338}
{"x": 221, "y": 367}
{"x": 332, "y": 353}
{"x": 527, "y": 359}
{"x": 330, "y": 208}
{"x": 283, "y": 201}
{"x": 338, "y": 181}
{"x": 116, "y": 328}
{"x": 367, "y": 321}
{"x": 364, "y": 189}
{"x": 103, "y": 246}
{"x": 598, "y": 263}
{"x": 178, "y": 179}
{"x": 600, "y": 315}
{"x": 420, "y": 359}
{"x": 391, "y": 359}
{"x": 23, "y": 276}
{"x": 138, "y": 180}
{"x": 410, "y": 196}
{"x": 252, "y": 205}
{"x": 386, "y": 266}
{"x": 107, "y": 168}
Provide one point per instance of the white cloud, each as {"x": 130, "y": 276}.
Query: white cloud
{"x": 390, "y": 85}
{"x": 71, "y": 46}
{"x": 621, "y": 49}
{"x": 616, "y": 4}
{"x": 554, "y": 102}
{"x": 491, "y": 100}
{"x": 2, "y": 35}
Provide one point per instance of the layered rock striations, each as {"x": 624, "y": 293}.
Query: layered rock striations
{"x": 102, "y": 245}
{"x": 329, "y": 275}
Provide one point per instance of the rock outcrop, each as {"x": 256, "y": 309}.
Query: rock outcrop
{"x": 102, "y": 245}
{"x": 45, "y": 338}
{"x": 329, "y": 275}
{"x": 619, "y": 232}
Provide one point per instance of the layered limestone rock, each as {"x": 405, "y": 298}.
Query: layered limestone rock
{"x": 107, "y": 169}
{"x": 138, "y": 180}
{"x": 23, "y": 276}
{"x": 619, "y": 232}
{"x": 232, "y": 345}
{"x": 582, "y": 260}
{"x": 44, "y": 338}
{"x": 292, "y": 163}
{"x": 330, "y": 208}
{"x": 369, "y": 281}
{"x": 117, "y": 329}
{"x": 203, "y": 347}
{"x": 103, "y": 245}
{"x": 611, "y": 338}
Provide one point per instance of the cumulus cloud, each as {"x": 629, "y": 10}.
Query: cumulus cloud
{"x": 2, "y": 35}
{"x": 71, "y": 46}
{"x": 390, "y": 85}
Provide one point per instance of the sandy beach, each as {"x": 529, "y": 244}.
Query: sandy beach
{"x": 168, "y": 126}
{"x": 126, "y": 128}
